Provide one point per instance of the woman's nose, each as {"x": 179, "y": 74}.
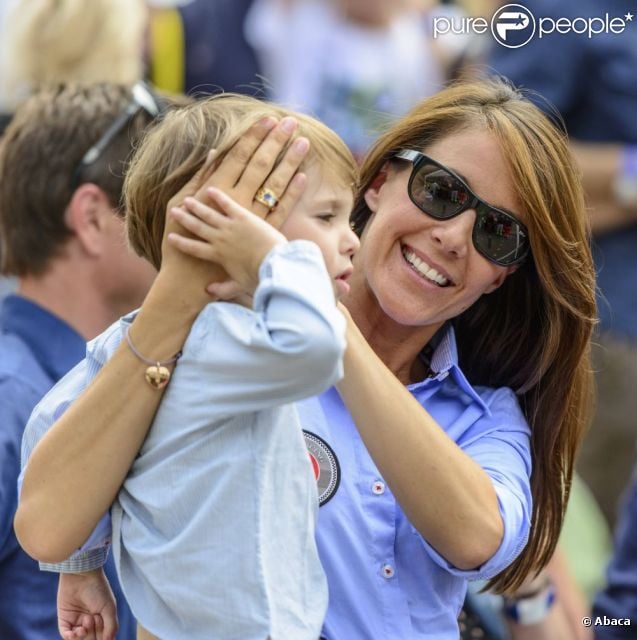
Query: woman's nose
{"x": 454, "y": 236}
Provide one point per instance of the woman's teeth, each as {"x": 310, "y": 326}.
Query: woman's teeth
{"x": 424, "y": 269}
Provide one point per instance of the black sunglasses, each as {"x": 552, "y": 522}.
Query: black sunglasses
{"x": 437, "y": 191}
{"x": 143, "y": 99}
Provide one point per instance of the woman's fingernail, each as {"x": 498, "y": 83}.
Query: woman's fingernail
{"x": 288, "y": 124}
{"x": 301, "y": 145}
{"x": 268, "y": 122}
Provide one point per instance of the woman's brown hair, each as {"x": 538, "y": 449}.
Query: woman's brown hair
{"x": 533, "y": 333}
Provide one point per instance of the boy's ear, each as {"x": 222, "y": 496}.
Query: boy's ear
{"x": 88, "y": 216}
{"x": 373, "y": 191}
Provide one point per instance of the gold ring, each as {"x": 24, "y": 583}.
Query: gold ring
{"x": 267, "y": 198}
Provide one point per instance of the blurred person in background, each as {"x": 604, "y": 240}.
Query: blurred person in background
{"x": 354, "y": 64}
{"x": 51, "y": 41}
{"x": 618, "y": 599}
{"x": 592, "y": 82}
{"x": 62, "y": 160}
{"x": 198, "y": 46}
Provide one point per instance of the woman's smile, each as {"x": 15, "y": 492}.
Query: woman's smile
{"x": 424, "y": 267}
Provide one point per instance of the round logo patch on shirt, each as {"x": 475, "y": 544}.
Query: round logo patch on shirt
{"x": 325, "y": 465}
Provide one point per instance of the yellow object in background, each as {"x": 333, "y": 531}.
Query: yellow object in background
{"x": 167, "y": 51}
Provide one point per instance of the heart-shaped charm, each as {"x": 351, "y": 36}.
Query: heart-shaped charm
{"x": 157, "y": 376}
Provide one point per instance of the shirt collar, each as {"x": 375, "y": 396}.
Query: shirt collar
{"x": 444, "y": 362}
{"x": 54, "y": 344}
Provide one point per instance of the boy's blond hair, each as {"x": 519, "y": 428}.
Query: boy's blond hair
{"x": 177, "y": 148}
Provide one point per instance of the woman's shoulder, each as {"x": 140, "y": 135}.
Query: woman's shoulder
{"x": 498, "y": 398}
{"x": 495, "y": 397}
{"x": 503, "y": 406}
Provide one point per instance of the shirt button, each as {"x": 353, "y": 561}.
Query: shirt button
{"x": 388, "y": 571}
{"x": 378, "y": 488}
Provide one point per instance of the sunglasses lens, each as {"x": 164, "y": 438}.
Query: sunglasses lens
{"x": 499, "y": 237}
{"x": 437, "y": 192}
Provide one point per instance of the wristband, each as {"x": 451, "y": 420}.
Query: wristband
{"x": 530, "y": 609}
{"x": 625, "y": 184}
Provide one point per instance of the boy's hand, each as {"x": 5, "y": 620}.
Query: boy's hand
{"x": 231, "y": 236}
{"x": 86, "y": 606}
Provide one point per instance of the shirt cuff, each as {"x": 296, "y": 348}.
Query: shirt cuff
{"x": 80, "y": 563}
{"x": 302, "y": 250}
{"x": 516, "y": 533}
{"x": 297, "y": 268}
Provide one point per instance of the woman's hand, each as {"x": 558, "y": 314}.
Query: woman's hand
{"x": 247, "y": 167}
{"x": 232, "y": 237}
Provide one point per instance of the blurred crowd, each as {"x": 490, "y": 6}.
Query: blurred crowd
{"x": 357, "y": 65}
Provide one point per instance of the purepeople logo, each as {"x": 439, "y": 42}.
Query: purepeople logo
{"x": 513, "y": 25}
{"x": 510, "y": 19}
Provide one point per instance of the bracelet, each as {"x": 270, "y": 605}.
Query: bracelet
{"x": 157, "y": 374}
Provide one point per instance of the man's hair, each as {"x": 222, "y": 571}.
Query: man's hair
{"x": 39, "y": 154}
{"x": 178, "y": 146}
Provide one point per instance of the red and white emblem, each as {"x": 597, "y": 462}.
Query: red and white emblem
{"x": 325, "y": 465}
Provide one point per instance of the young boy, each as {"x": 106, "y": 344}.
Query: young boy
{"x": 213, "y": 530}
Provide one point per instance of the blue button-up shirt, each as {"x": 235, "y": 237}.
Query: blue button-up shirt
{"x": 36, "y": 350}
{"x": 385, "y": 581}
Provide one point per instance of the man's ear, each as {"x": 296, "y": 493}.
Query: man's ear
{"x": 502, "y": 276}
{"x": 87, "y": 215}
{"x": 373, "y": 191}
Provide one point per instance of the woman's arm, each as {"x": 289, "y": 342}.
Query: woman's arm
{"x": 77, "y": 468}
{"x": 445, "y": 494}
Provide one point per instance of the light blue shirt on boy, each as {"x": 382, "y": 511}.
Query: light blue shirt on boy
{"x": 214, "y": 528}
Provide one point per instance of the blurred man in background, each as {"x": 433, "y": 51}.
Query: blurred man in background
{"x": 62, "y": 161}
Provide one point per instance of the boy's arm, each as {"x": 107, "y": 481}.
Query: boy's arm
{"x": 86, "y": 606}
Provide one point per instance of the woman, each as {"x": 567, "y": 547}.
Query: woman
{"x": 425, "y": 486}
